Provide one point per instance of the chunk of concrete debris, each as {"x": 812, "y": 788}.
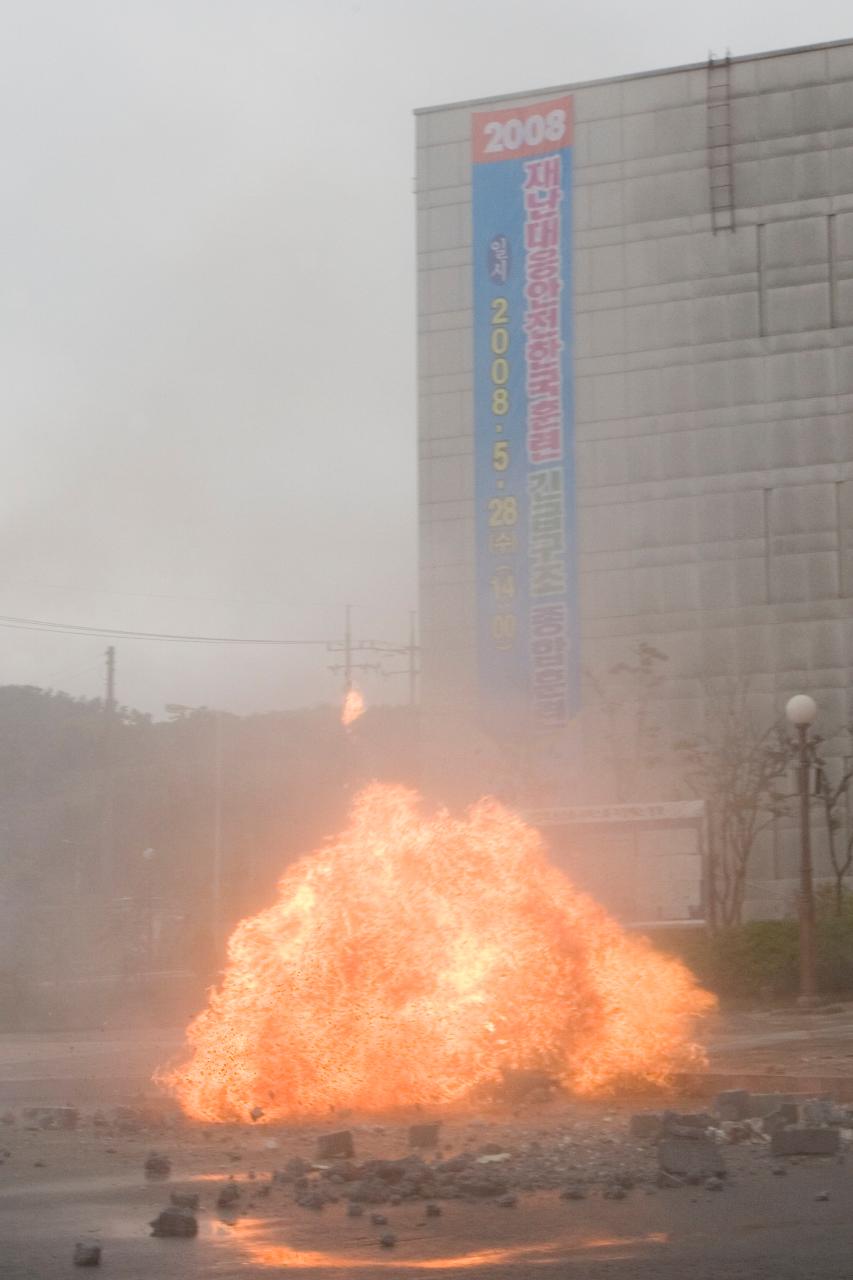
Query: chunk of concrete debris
{"x": 424, "y": 1135}
{"x": 670, "y": 1181}
{"x": 87, "y": 1255}
{"x": 687, "y": 1124}
{"x": 646, "y": 1126}
{"x": 175, "y": 1222}
{"x": 388, "y": 1240}
{"x": 379, "y": 1219}
{"x": 509, "y": 1201}
{"x": 185, "y": 1200}
{"x": 733, "y": 1104}
{"x": 53, "y": 1117}
{"x": 763, "y": 1104}
{"x": 256, "y": 1113}
{"x": 798, "y": 1140}
{"x": 697, "y": 1157}
{"x": 335, "y": 1146}
{"x": 295, "y": 1168}
{"x": 787, "y": 1113}
{"x": 714, "y": 1184}
{"x": 228, "y": 1195}
{"x": 157, "y": 1165}
{"x": 822, "y": 1196}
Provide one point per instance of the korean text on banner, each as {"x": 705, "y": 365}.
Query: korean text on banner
{"x": 527, "y": 599}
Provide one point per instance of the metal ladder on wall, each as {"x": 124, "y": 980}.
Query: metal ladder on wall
{"x": 720, "y": 164}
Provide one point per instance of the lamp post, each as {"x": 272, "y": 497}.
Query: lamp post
{"x": 801, "y": 711}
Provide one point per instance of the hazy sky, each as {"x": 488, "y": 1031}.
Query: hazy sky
{"x": 207, "y": 393}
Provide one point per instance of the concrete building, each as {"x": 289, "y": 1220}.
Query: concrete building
{"x": 712, "y": 357}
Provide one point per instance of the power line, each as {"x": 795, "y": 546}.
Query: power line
{"x": 115, "y": 633}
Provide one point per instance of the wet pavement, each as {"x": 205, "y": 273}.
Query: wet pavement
{"x": 60, "y": 1187}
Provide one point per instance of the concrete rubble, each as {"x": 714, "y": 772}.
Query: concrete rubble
{"x": 87, "y": 1255}
{"x": 332, "y": 1146}
{"x": 175, "y": 1222}
{"x": 157, "y": 1166}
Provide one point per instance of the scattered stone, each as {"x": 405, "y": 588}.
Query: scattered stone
{"x": 331, "y": 1146}
{"x": 614, "y": 1192}
{"x": 645, "y": 1125}
{"x": 295, "y": 1168}
{"x": 822, "y": 1196}
{"x": 228, "y": 1195}
{"x": 697, "y": 1157}
{"x": 797, "y": 1140}
{"x": 424, "y": 1135}
{"x": 433, "y": 1210}
{"x": 53, "y": 1117}
{"x": 256, "y": 1113}
{"x": 736, "y": 1131}
{"x": 779, "y": 1171}
{"x": 508, "y": 1201}
{"x": 184, "y": 1200}
{"x": 87, "y": 1255}
{"x": 388, "y": 1240}
{"x": 313, "y": 1199}
{"x": 669, "y": 1181}
{"x": 733, "y": 1104}
{"x": 763, "y": 1104}
{"x": 175, "y": 1222}
{"x": 714, "y": 1184}
{"x": 787, "y": 1113}
{"x": 355, "y": 1209}
{"x": 396, "y": 1201}
{"x": 157, "y": 1166}
{"x": 687, "y": 1124}
{"x": 573, "y": 1193}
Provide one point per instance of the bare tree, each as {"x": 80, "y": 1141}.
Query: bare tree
{"x": 736, "y": 766}
{"x": 626, "y": 693}
{"x": 835, "y": 801}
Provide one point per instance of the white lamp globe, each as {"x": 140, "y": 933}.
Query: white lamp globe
{"x": 801, "y": 710}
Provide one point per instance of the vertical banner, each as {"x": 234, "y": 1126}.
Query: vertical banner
{"x": 527, "y": 599}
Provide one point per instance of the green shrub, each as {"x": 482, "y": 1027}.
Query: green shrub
{"x": 760, "y": 960}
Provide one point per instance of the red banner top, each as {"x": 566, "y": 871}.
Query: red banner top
{"x": 516, "y": 132}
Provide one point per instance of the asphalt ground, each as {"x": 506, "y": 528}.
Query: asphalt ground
{"x": 60, "y": 1187}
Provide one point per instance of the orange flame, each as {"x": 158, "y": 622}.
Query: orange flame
{"x": 415, "y": 957}
{"x": 354, "y": 706}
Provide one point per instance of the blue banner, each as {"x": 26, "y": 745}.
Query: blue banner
{"x": 527, "y": 596}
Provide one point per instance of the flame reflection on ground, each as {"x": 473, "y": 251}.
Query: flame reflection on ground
{"x": 262, "y": 1253}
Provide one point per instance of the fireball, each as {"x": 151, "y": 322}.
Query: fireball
{"x": 354, "y": 706}
{"x": 416, "y": 957}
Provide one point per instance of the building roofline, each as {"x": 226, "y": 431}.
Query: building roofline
{"x": 636, "y": 75}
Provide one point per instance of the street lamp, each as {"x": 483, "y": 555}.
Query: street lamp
{"x": 801, "y": 711}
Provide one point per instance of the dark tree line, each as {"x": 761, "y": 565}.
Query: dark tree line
{"x": 81, "y": 890}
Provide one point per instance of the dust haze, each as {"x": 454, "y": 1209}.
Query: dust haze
{"x": 207, "y": 327}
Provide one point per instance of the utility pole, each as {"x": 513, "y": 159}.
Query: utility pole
{"x": 413, "y": 649}
{"x": 216, "y": 870}
{"x": 801, "y": 711}
{"x": 108, "y": 779}
{"x": 348, "y": 666}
